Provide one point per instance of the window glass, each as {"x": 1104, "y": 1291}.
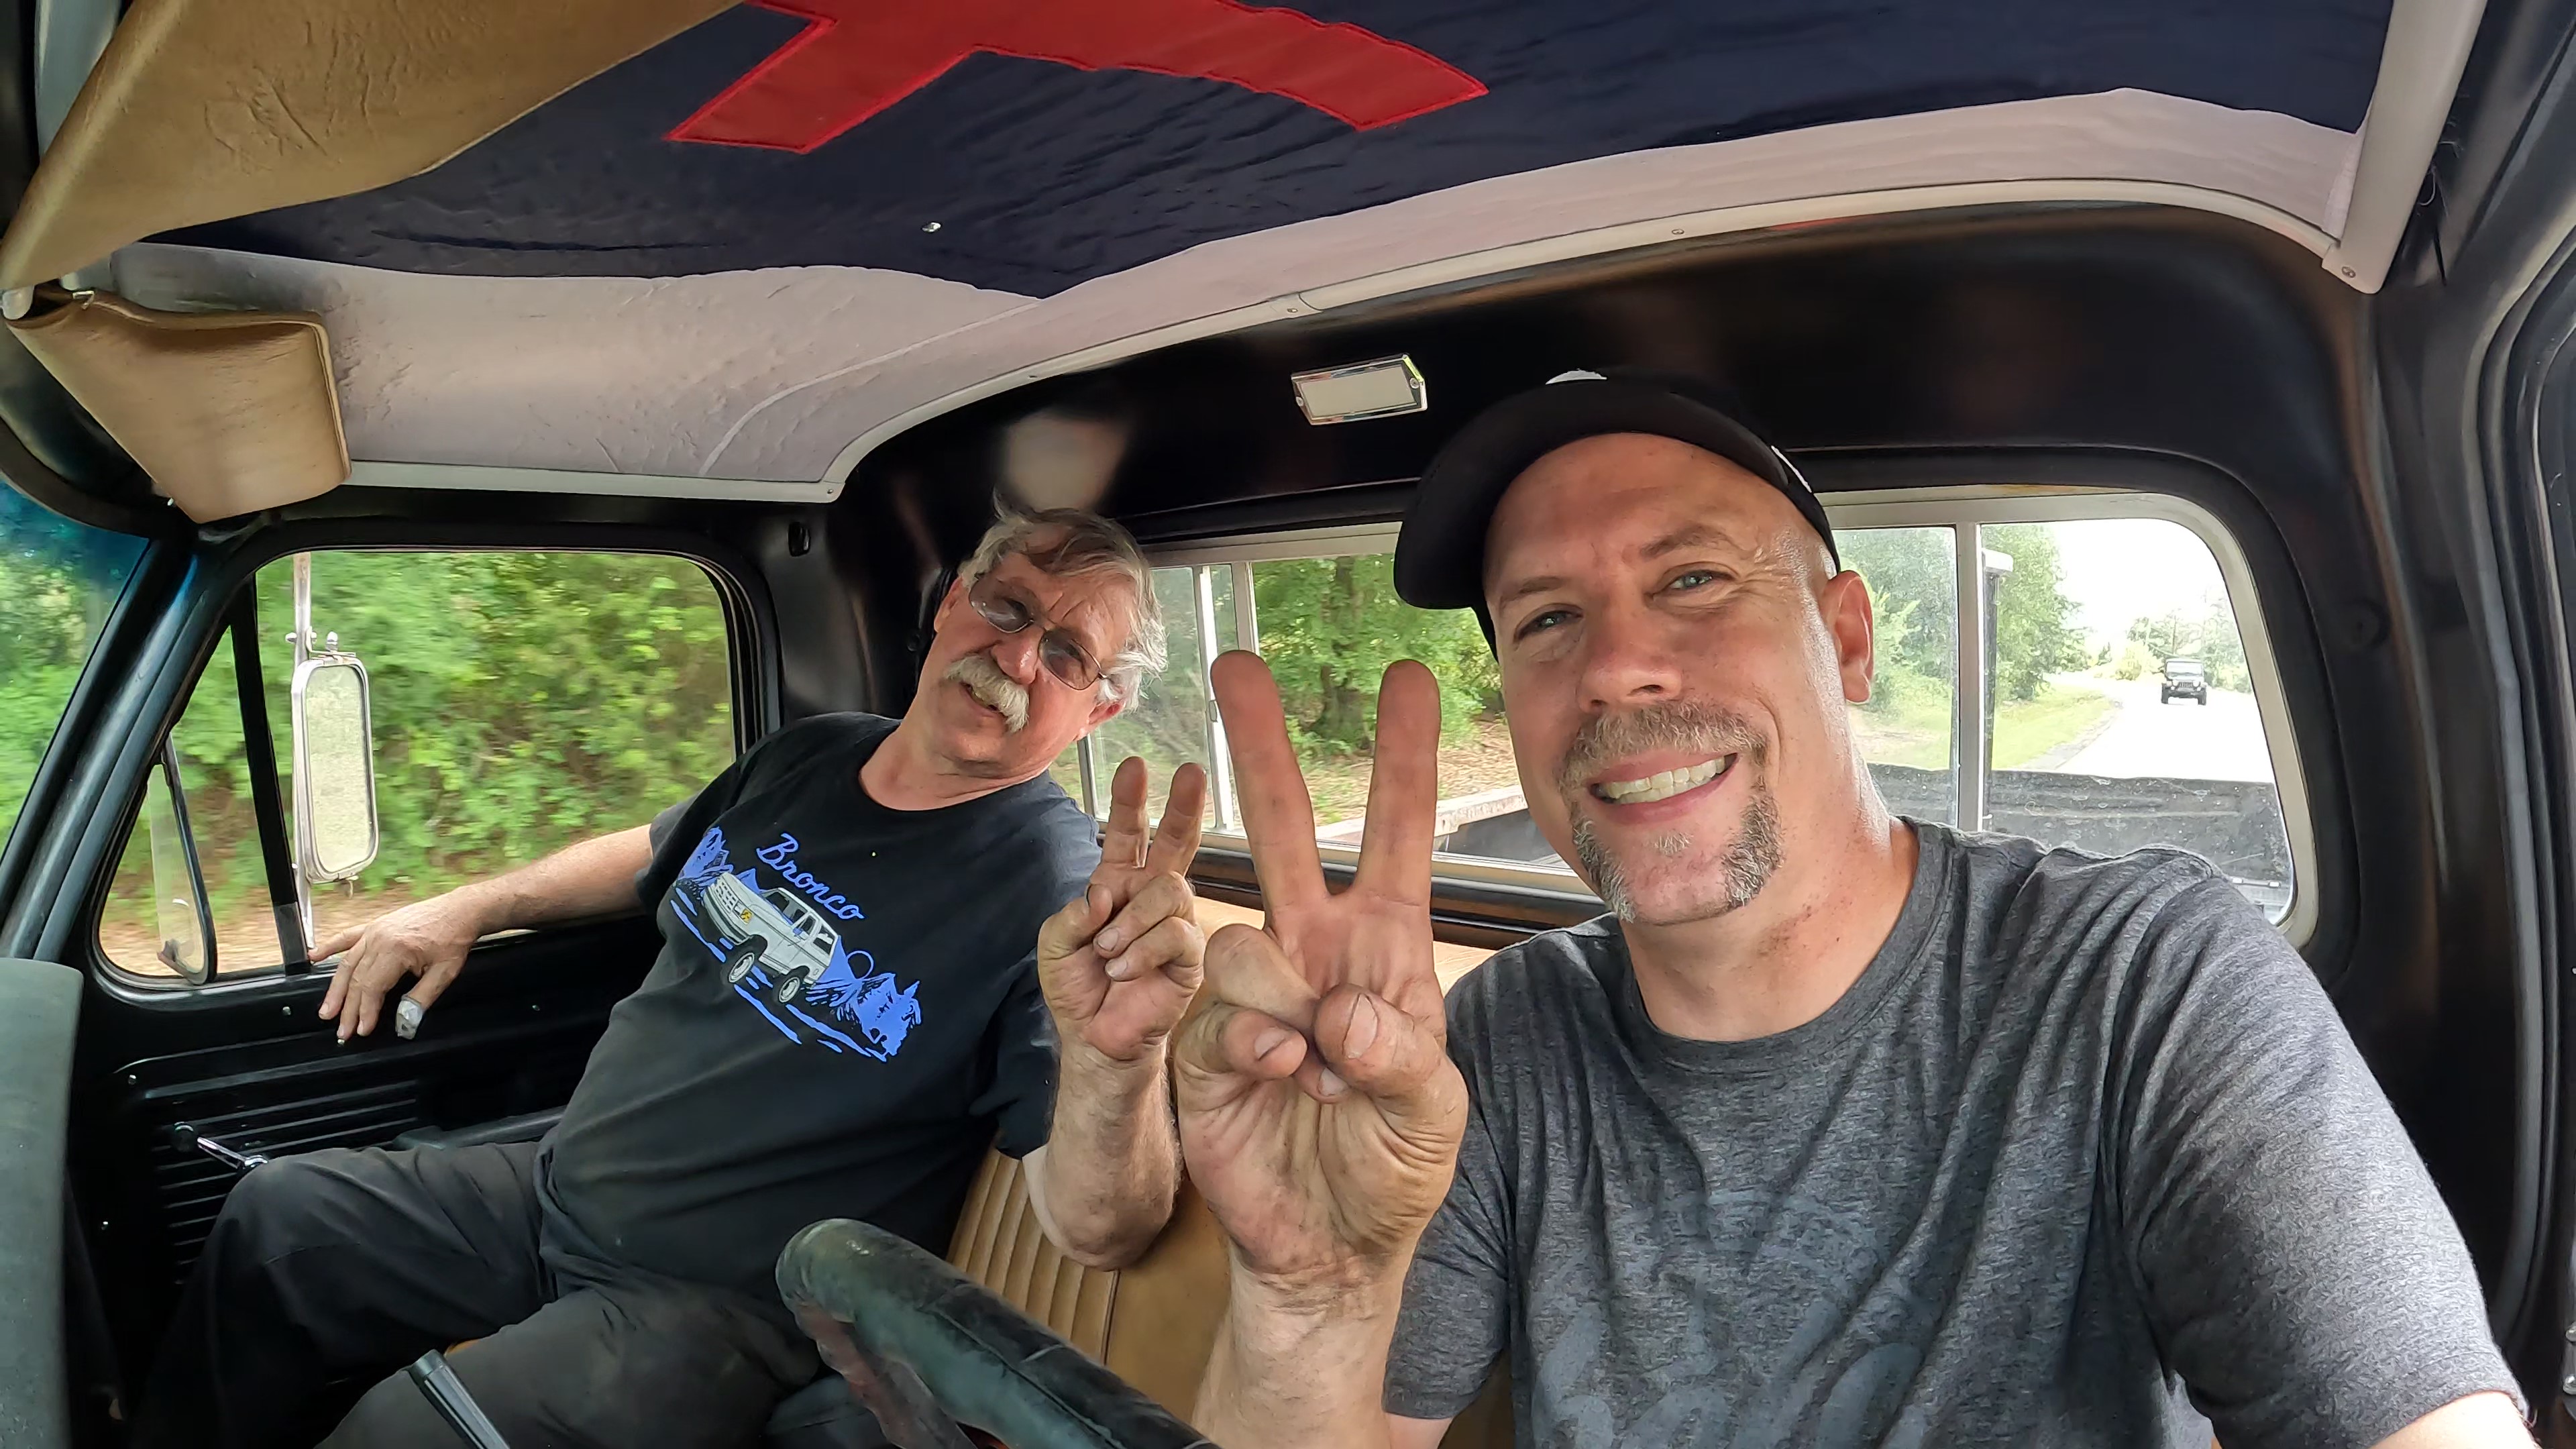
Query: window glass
{"x": 2123, "y": 709}
{"x": 1167, "y": 725}
{"x": 521, "y": 702}
{"x": 1904, "y": 729}
{"x": 57, "y": 582}
{"x": 1329, "y": 628}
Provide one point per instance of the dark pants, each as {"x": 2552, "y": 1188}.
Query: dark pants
{"x": 338, "y": 1267}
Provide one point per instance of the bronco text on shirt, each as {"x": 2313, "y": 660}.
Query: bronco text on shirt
{"x": 844, "y": 1016}
{"x": 2085, "y": 1138}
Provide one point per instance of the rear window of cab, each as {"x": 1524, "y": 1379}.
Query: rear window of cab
{"x": 2109, "y": 687}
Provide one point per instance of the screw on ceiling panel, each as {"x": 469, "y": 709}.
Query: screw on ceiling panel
{"x": 930, "y": 226}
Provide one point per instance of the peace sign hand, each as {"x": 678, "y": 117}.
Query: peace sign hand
{"x": 1121, "y": 961}
{"x": 1320, "y": 1113}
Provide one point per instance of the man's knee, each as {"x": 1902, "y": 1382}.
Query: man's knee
{"x": 275, "y": 1209}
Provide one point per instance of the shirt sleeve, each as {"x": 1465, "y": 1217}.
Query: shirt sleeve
{"x": 678, "y": 831}
{"x": 1456, "y": 1319}
{"x": 2295, "y": 1260}
{"x": 1019, "y": 1095}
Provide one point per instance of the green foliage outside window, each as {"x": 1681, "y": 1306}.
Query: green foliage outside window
{"x": 1330, "y": 627}
{"x": 58, "y": 580}
{"x": 2035, "y": 633}
{"x": 1912, "y": 577}
{"x": 521, "y": 702}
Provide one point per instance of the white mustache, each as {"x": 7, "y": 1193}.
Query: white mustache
{"x": 985, "y": 680}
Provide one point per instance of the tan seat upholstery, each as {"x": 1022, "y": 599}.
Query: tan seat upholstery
{"x": 1152, "y": 1323}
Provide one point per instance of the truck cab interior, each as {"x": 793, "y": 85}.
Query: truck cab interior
{"x": 434, "y": 435}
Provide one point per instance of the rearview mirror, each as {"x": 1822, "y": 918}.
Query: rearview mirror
{"x": 335, "y": 768}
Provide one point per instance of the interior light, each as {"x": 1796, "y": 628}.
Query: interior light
{"x": 1381, "y": 388}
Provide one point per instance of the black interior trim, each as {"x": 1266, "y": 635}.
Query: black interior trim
{"x": 268, "y": 807}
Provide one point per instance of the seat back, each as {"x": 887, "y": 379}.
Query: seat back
{"x": 1152, "y": 1323}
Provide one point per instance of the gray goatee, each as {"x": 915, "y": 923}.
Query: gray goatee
{"x": 1750, "y": 858}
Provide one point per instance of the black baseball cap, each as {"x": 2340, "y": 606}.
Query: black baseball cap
{"x": 1440, "y": 554}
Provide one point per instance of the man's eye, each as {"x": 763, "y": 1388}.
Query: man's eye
{"x": 1544, "y": 619}
{"x": 1692, "y": 579}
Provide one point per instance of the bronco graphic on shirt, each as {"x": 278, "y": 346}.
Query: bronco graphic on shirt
{"x": 781, "y": 951}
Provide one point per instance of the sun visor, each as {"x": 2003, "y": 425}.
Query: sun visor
{"x": 206, "y": 109}
{"x": 228, "y": 412}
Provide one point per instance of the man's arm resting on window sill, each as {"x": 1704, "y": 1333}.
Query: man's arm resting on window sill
{"x": 428, "y": 939}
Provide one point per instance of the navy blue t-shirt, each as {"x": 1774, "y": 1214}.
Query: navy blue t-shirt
{"x": 844, "y": 1016}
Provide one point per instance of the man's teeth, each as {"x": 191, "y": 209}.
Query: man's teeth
{"x": 1661, "y": 786}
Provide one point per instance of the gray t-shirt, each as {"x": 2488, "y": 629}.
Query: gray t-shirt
{"x": 2083, "y": 1148}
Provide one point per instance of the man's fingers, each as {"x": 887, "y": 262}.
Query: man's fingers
{"x": 1257, "y": 1044}
{"x": 1245, "y": 967}
{"x": 1400, "y": 1063}
{"x": 337, "y": 942}
{"x": 1174, "y": 948}
{"x": 1176, "y": 840}
{"x": 1073, "y": 927}
{"x": 1404, "y": 786}
{"x": 332, "y": 993}
{"x": 1162, "y": 897}
{"x": 434, "y": 982}
{"x": 1122, "y": 836}
{"x": 359, "y": 1017}
{"x": 1278, "y": 814}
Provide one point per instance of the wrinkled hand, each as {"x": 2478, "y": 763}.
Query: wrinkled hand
{"x": 1320, "y": 1113}
{"x": 1121, "y": 961}
{"x": 427, "y": 939}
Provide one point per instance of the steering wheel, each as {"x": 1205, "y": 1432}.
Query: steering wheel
{"x": 927, "y": 1349}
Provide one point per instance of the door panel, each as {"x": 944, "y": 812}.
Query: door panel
{"x": 254, "y": 1069}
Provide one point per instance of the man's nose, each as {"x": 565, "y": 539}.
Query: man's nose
{"x": 1628, "y": 657}
{"x": 1017, "y": 654}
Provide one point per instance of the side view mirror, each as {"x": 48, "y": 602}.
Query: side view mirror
{"x": 335, "y": 768}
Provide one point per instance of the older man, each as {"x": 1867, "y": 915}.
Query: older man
{"x": 1841, "y": 1129}
{"x": 846, "y": 1012}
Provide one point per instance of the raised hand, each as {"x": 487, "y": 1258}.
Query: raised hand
{"x": 1121, "y": 961}
{"x": 1320, "y": 1113}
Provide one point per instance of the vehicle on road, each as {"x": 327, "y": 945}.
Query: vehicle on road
{"x": 2184, "y": 679}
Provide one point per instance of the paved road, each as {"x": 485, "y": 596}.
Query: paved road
{"x": 2221, "y": 740}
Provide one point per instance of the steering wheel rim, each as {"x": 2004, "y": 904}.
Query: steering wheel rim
{"x": 927, "y": 1348}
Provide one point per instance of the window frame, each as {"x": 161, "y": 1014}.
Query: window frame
{"x": 1967, "y": 509}
{"x": 1963, "y": 508}
{"x": 751, "y": 644}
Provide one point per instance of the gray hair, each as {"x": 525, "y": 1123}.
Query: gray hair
{"x": 1070, "y": 543}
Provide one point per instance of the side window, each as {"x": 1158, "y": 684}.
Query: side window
{"x": 519, "y": 702}
{"x": 2102, "y": 697}
{"x": 57, "y": 581}
{"x": 1328, "y": 626}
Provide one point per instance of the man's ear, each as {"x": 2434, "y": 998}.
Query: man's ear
{"x": 1844, "y": 601}
{"x": 1103, "y": 712}
{"x": 949, "y": 604}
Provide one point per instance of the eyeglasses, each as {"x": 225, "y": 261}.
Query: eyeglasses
{"x": 1060, "y": 651}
